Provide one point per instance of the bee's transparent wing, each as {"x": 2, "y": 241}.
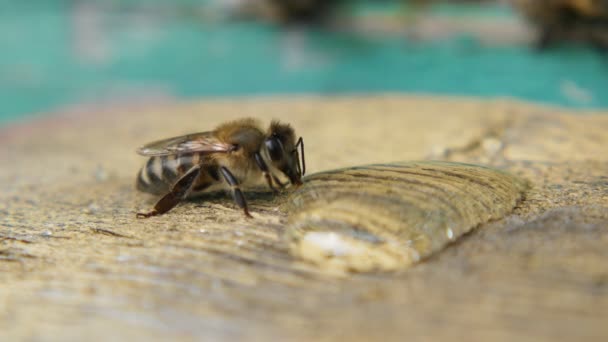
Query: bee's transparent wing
{"x": 190, "y": 143}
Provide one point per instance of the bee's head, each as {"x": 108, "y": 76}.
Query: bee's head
{"x": 281, "y": 149}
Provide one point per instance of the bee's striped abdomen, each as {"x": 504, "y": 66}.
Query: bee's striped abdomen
{"x": 160, "y": 173}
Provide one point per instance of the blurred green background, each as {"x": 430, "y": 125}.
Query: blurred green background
{"x": 61, "y": 53}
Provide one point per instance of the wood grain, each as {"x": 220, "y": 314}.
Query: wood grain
{"x": 75, "y": 262}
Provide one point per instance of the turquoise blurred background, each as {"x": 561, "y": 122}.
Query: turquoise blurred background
{"x": 56, "y": 54}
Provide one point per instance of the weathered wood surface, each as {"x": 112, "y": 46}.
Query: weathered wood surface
{"x": 391, "y": 216}
{"x": 75, "y": 262}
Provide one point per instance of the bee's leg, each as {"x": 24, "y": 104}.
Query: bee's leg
{"x": 276, "y": 180}
{"x": 236, "y": 191}
{"x": 180, "y": 190}
{"x": 262, "y": 165}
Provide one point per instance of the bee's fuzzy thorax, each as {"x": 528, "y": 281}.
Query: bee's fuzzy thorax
{"x": 230, "y": 127}
{"x": 245, "y": 133}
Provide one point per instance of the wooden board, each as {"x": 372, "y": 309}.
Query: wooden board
{"x": 75, "y": 262}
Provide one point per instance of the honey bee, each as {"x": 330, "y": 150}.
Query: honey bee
{"x": 235, "y": 155}
{"x": 567, "y": 20}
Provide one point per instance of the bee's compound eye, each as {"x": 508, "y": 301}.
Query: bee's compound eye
{"x": 275, "y": 148}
